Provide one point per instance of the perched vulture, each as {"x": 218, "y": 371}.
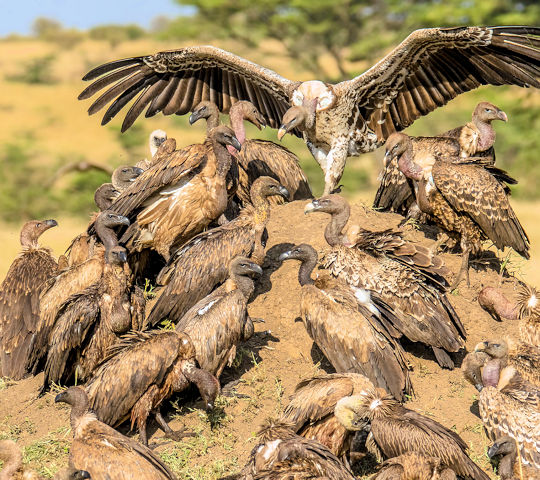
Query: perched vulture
{"x": 104, "y": 196}
{"x": 468, "y": 200}
{"x": 525, "y": 358}
{"x": 311, "y": 409}
{"x": 203, "y": 263}
{"x": 283, "y": 455}
{"x": 348, "y": 328}
{"x": 91, "y": 321}
{"x": 396, "y": 430}
{"x": 177, "y": 197}
{"x": 504, "y": 451}
{"x": 73, "y": 281}
{"x": 404, "y": 275}
{"x": 19, "y": 299}
{"x": 429, "y": 68}
{"x": 102, "y": 451}
{"x": 143, "y": 370}
{"x": 525, "y": 308}
{"x": 219, "y": 322}
{"x": 414, "y": 466}
{"x": 157, "y": 138}
{"x": 124, "y": 175}
{"x": 258, "y": 157}
{"x": 13, "y": 468}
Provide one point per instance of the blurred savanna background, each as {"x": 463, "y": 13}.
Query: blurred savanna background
{"x": 46, "y": 47}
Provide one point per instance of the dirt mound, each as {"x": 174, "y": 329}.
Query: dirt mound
{"x": 268, "y": 367}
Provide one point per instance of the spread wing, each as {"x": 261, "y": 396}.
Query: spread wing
{"x": 475, "y": 192}
{"x": 176, "y": 81}
{"x": 434, "y": 65}
{"x": 138, "y": 361}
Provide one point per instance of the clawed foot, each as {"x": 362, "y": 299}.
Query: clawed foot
{"x": 178, "y": 435}
{"x": 229, "y": 390}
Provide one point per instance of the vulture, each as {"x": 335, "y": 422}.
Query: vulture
{"x": 102, "y": 451}
{"x": 311, "y": 409}
{"x": 202, "y": 263}
{"x": 219, "y": 322}
{"x": 13, "y": 468}
{"x": 350, "y": 330}
{"x": 282, "y": 455}
{"x": 154, "y": 365}
{"x": 404, "y": 275}
{"x": 396, "y": 430}
{"x": 104, "y": 196}
{"x": 429, "y": 68}
{"x": 505, "y": 409}
{"x": 124, "y": 175}
{"x": 258, "y": 157}
{"x": 177, "y": 197}
{"x": 73, "y": 281}
{"x": 525, "y": 308}
{"x": 525, "y": 358}
{"x": 504, "y": 452}
{"x": 468, "y": 200}
{"x": 476, "y": 138}
{"x": 92, "y": 320}
{"x": 157, "y": 138}
{"x": 414, "y": 466}
{"x": 19, "y": 299}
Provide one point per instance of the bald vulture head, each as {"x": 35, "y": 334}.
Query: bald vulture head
{"x": 472, "y": 366}
{"x": 503, "y": 446}
{"x": 332, "y": 204}
{"x": 246, "y": 110}
{"x": 225, "y": 136}
{"x": 104, "y": 196}
{"x": 243, "y": 266}
{"x": 395, "y": 146}
{"x": 204, "y": 110}
{"x": 71, "y": 473}
{"x": 31, "y": 231}
{"x": 496, "y": 349}
{"x": 302, "y": 252}
{"x": 109, "y": 219}
{"x": 157, "y": 137}
{"x": 124, "y": 175}
{"x": 487, "y": 112}
{"x": 268, "y": 186}
{"x": 116, "y": 255}
{"x": 300, "y": 117}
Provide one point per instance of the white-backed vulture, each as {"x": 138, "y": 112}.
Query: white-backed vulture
{"x": 73, "y": 281}
{"x": 282, "y": 455}
{"x": 219, "y": 322}
{"x": 396, "y": 430}
{"x": 505, "y": 408}
{"x": 352, "y": 334}
{"x": 405, "y": 275}
{"x": 525, "y": 308}
{"x": 19, "y": 299}
{"x": 203, "y": 263}
{"x": 414, "y": 466}
{"x": 429, "y": 68}
{"x": 177, "y": 198}
{"x": 102, "y": 451}
{"x": 504, "y": 452}
{"x": 124, "y": 175}
{"x": 311, "y": 409}
{"x": 468, "y": 200}
{"x": 157, "y": 138}
{"x": 154, "y": 365}
{"x": 258, "y": 157}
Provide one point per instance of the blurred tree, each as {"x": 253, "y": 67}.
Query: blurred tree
{"x": 43, "y": 27}
{"x": 116, "y": 34}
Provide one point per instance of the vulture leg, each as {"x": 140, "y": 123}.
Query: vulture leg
{"x": 175, "y": 435}
{"x": 443, "y": 359}
{"x": 335, "y": 164}
{"x": 464, "y": 270}
{"x": 442, "y": 239}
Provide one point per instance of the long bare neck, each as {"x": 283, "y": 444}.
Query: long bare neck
{"x": 236, "y": 116}
{"x": 333, "y": 231}
{"x": 262, "y": 206}
{"x": 408, "y": 167}
{"x": 77, "y": 412}
{"x": 487, "y": 134}
{"x": 107, "y": 236}
{"x": 212, "y": 121}
{"x": 305, "y": 270}
{"x": 223, "y": 158}
{"x": 245, "y": 284}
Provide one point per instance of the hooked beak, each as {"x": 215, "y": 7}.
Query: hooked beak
{"x": 256, "y": 269}
{"x": 478, "y": 386}
{"x": 285, "y": 256}
{"x": 281, "y": 132}
{"x": 502, "y": 116}
{"x": 122, "y": 256}
{"x": 284, "y": 192}
{"x": 60, "y": 397}
{"x": 259, "y": 122}
{"x": 493, "y": 450}
{"x": 194, "y": 117}
{"x": 123, "y": 221}
{"x": 138, "y": 170}
{"x": 51, "y": 223}
{"x": 236, "y": 144}
{"x": 388, "y": 157}
{"x": 311, "y": 207}
{"x": 481, "y": 347}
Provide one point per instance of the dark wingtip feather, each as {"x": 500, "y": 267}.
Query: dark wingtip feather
{"x": 107, "y": 67}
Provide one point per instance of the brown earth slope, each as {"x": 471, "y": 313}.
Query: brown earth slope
{"x": 269, "y": 366}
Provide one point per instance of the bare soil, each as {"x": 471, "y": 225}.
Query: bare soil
{"x": 269, "y": 366}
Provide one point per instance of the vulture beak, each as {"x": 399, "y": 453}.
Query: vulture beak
{"x": 259, "y": 122}
{"x": 122, "y": 256}
{"x": 285, "y": 256}
{"x": 159, "y": 141}
{"x": 236, "y": 144}
{"x": 481, "y": 347}
{"x": 83, "y": 474}
{"x": 60, "y": 397}
{"x": 138, "y": 170}
{"x": 311, "y": 207}
{"x": 478, "y": 386}
{"x": 502, "y": 116}
{"x": 387, "y": 157}
{"x": 194, "y": 117}
{"x": 51, "y": 223}
{"x": 284, "y": 192}
{"x": 281, "y": 132}
{"x": 123, "y": 220}
{"x": 493, "y": 450}
{"x": 256, "y": 269}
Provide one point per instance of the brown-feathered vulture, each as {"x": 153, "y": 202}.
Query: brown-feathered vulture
{"x": 311, "y": 409}
{"x": 143, "y": 370}
{"x": 124, "y": 175}
{"x": 282, "y": 455}
{"x": 177, "y": 198}
{"x": 258, "y": 157}
{"x": 219, "y": 322}
{"x": 355, "y": 336}
{"x": 404, "y": 275}
{"x": 13, "y": 468}
{"x": 73, "y": 281}
{"x": 414, "y": 466}
{"x": 19, "y": 299}
{"x": 102, "y": 451}
{"x": 203, "y": 263}
{"x": 468, "y": 200}
{"x": 505, "y": 408}
{"x": 429, "y": 68}
{"x": 475, "y": 138}
{"x": 156, "y": 139}
{"x": 525, "y": 308}
{"x": 396, "y": 430}
{"x": 504, "y": 452}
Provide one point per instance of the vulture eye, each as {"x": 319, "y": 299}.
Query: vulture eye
{"x": 488, "y": 110}
{"x": 124, "y": 170}
{"x": 496, "y": 345}
{"x": 110, "y": 215}
{"x": 38, "y": 225}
